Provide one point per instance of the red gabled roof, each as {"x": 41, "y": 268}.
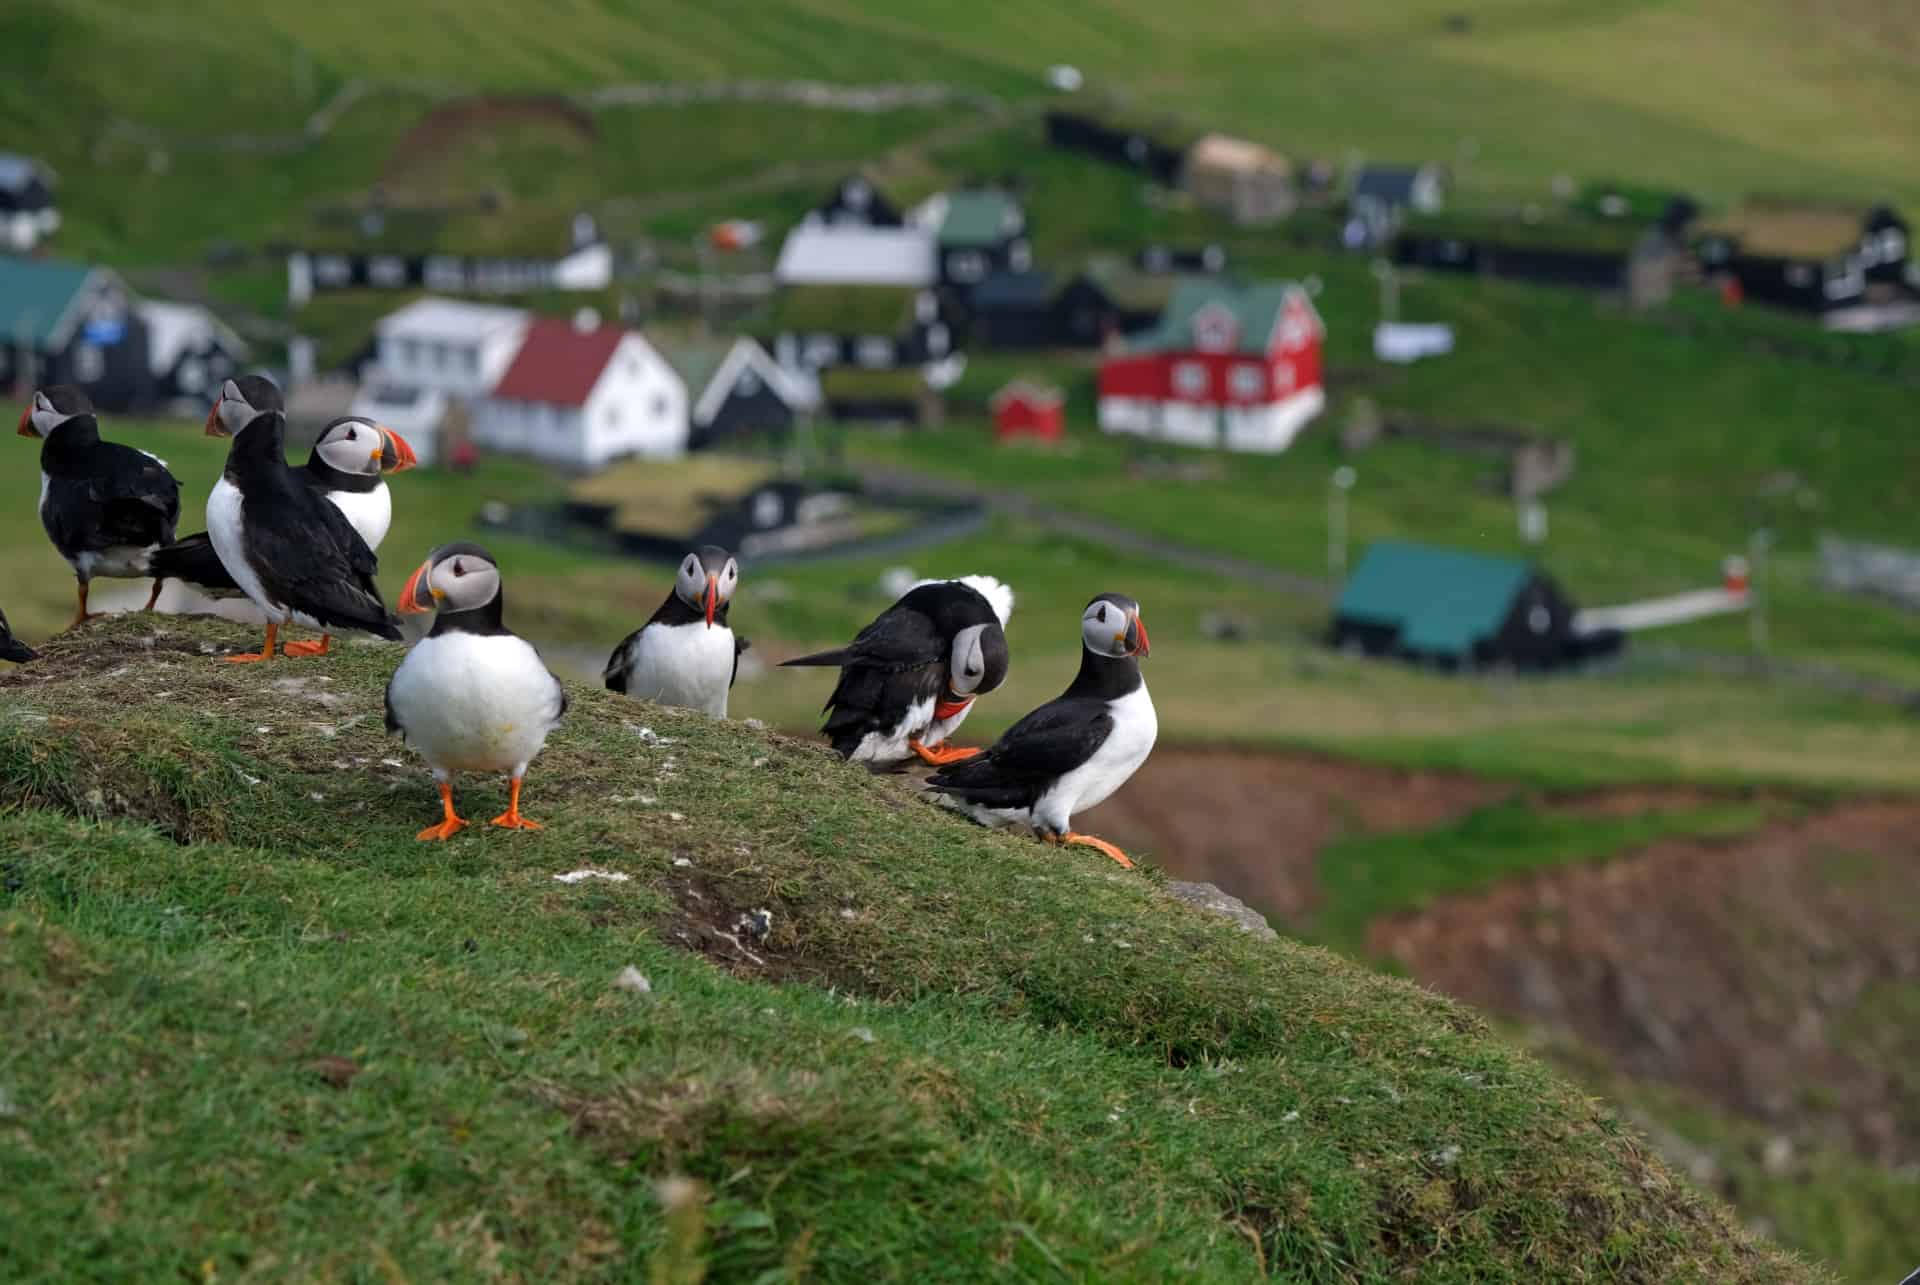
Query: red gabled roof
{"x": 558, "y": 364}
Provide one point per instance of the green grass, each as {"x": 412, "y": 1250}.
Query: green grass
{"x": 1365, "y": 877}
{"x": 278, "y": 1037}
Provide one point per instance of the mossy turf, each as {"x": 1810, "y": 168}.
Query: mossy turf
{"x": 257, "y": 1031}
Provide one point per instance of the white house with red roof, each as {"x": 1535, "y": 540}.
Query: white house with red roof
{"x": 582, "y": 396}
{"x": 1229, "y": 365}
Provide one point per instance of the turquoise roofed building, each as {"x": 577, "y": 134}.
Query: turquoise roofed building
{"x": 1460, "y": 610}
{"x": 63, "y": 322}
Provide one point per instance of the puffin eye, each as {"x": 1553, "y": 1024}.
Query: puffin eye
{"x": 459, "y": 568}
{"x": 353, "y": 435}
{"x": 1103, "y": 615}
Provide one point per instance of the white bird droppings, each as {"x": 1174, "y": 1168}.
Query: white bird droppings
{"x": 632, "y": 979}
{"x": 589, "y": 872}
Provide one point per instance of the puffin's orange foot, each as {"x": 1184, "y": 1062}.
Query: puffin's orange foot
{"x": 511, "y": 818}
{"x": 265, "y": 653}
{"x": 307, "y": 648}
{"x": 445, "y": 830}
{"x": 450, "y": 824}
{"x": 941, "y": 756}
{"x": 155, "y": 595}
{"x": 514, "y": 821}
{"x": 1088, "y": 841}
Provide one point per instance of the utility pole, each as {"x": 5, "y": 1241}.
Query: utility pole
{"x": 1343, "y": 479}
{"x": 1389, "y": 279}
{"x": 1757, "y": 545}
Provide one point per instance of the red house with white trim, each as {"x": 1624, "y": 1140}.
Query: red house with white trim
{"x": 1027, "y": 409}
{"x": 1228, "y": 365}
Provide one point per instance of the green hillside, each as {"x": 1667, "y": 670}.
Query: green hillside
{"x": 259, "y": 1031}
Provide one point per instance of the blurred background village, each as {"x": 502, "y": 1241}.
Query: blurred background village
{"x": 1503, "y": 410}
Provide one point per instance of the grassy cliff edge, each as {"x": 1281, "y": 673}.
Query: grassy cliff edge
{"x": 257, "y": 1031}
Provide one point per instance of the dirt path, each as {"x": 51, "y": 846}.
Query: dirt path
{"x": 1777, "y": 974}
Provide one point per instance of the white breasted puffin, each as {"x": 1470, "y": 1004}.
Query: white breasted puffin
{"x": 106, "y": 507}
{"x": 12, "y": 648}
{"x": 290, "y": 551}
{"x": 472, "y": 696}
{"x": 1074, "y": 751}
{"x": 685, "y": 654}
{"x": 908, "y": 679}
{"x": 348, "y": 465}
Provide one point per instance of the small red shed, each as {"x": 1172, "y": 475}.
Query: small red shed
{"x": 1025, "y": 408}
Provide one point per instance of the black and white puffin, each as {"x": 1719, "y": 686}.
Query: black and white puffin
{"x": 12, "y": 648}
{"x": 348, "y": 465}
{"x": 472, "y": 696}
{"x": 908, "y": 680}
{"x": 1074, "y": 751}
{"x": 105, "y": 506}
{"x": 685, "y": 654}
{"x": 290, "y": 551}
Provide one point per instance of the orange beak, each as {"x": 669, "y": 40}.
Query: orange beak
{"x": 416, "y": 596}
{"x": 395, "y": 455}
{"x": 1137, "y": 637}
{"x": 713, "y": 597}
{"x": 26, "y": 423}
{"x": 214, "y": 427}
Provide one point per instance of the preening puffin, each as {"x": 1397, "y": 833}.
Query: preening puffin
{"x": 685, "y": 654}
{"x": 289, "y": 550}
{"x": 472, "y": 696}
{"x": 105, "y": 506}
{"x": 1074, "y": 751}
{"x": 12, "y": 648}
{"x": 908, "y": 680}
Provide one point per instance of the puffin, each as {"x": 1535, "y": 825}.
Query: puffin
{"x": 106, "y": 507}
{"x": 685, "y": 654}
{"x": 348, "y": 465}
{"x": 1074, "y": 751}
{"x": 908, "y": 680}
{"x": 471, "y": 696}
{"x": 290, "y": 551}
{"x": 12, "y": 648}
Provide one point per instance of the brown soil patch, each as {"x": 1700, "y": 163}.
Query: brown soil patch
{"x": 460, "y": 120}
{"x": 1778, "y": 974}
{"x": 1254, "y": 823}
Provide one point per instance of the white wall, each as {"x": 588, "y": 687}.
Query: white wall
{"x": 639, "y": 407}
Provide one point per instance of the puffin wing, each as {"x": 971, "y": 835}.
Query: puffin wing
{"x": 1034, "y": 753}
{"x": 739, "y": 645}
{"x": 620, "y": 665}
{"x": 311, "y": 558}
{"x": 138, "y": 499}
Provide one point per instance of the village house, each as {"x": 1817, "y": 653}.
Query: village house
{"x": 1383, "y": 195}
{"x": 819, "y": 327}
{"x": 71, "y": 323}
{"x": 1228, "y": 365}
{"x": 737, "y": 391}
{"x": 856, "y": 202}
{"x": 190, "y": 352}
{"x": 582, "y": 396}
{"x": 433, "y": 360}
{"x": 980, "y": 232}
{"x": 29, "y": 213}
{"x": 1248, "y": 183}
{"x": 1811, "y": 258}
{"x": 1156, "y": 147}
{"x": 815, "y": 254}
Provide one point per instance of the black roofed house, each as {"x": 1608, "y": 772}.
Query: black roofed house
{"x": 1460, "y": 610}
{"x": 981, "y": 231}
{"x": 1249, "y": 183}
{"x": 29, "y": 212}
{"x": 737, "y": 392}
{"x": 856, "y": 202}
{"x": 189, "y": 350}
{"x": 1108, "y": 300}
{"x": 1119, "y": 136}
{"x": 901, "y": 395}
{"x": 1383, "y": 194}
{"x": 1811, "y": 258}
{"x": 70, "y": 323}
{"x": 1015, "y": 310}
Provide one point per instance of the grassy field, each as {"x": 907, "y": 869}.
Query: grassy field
{"x": 260, "y": 1031}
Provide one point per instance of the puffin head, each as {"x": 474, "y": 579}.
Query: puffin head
{"x": 355, "y": 445}
{"x": 53, "y": 406}
{"x": 241, "y": 400}
{"x": 706, "y": 580}
{"x": 455, "y": 577}
{"x": 977, "y": 661}
{"x": 1111, "y": 626}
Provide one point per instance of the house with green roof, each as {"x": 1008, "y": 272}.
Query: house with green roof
{"x": 737, "y": 391}
{"x": 63, "y": 322}
{"x": 981, "y": 231}
{"x": 815, "y": 327}
{"x": 1460, "y": 610}
{"x": 1229, "y": 364}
